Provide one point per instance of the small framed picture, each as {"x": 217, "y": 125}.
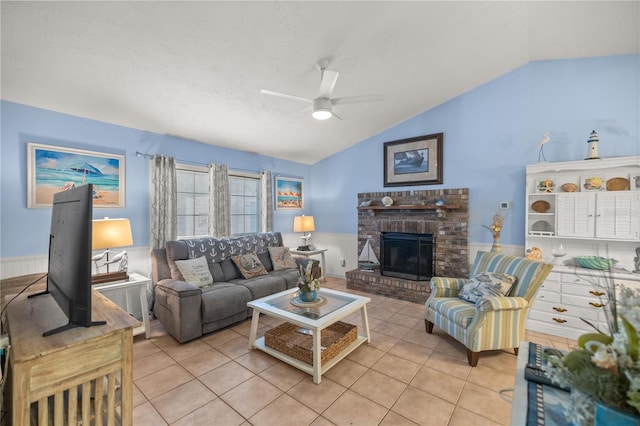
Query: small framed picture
{"x": 289, "y": 193}
{"x": 592, "y": 183}
{"x": 546, "y": 185}
{"x": 634, "y": 182}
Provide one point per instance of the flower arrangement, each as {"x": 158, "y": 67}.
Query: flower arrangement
{"x": 306, "y": 282}
{"x": 605, "y": 367}
{"x": 496, "y": 226}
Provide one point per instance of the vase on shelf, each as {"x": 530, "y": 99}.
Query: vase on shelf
{"x": 308, "y": 296}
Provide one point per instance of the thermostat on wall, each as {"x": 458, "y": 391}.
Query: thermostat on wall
{"x": 505, "y": 205}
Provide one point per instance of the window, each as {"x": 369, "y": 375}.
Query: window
{"x": 244, "y": 189}
{"x": 193, "y": 201}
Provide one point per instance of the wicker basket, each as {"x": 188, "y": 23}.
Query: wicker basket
{"x": 286, "y": 339}
{"x": 617, "y": 184}
{"x": 540, "y": 206}
{"x": 569, "y": 187}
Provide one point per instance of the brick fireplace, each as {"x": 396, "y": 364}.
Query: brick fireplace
{"x": 414, "y": 212}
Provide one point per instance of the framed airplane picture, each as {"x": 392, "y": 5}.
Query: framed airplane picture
{"x": 413, "y": 161}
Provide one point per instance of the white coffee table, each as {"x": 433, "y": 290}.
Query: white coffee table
{"x": 338, "y": 306}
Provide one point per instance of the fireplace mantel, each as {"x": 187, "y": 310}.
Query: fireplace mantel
{"x": 413, "y": 207}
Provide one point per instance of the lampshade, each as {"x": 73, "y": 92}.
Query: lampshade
{"x": 110, "y": 233}
{"x": 303, "y": 224}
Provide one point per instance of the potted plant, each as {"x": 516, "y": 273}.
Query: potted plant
{"x": 307, "y": 284}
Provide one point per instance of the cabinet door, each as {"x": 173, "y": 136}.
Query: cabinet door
{"x": 618, "y": 215}
{"x": 576, "y": 215}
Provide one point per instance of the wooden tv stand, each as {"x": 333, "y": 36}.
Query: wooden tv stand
{"x": 64, "y": 373}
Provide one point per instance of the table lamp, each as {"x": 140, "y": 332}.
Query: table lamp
{"x": 109, "y": 233}
{"x": 304, "y": 224}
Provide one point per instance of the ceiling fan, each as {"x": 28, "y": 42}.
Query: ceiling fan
{"x": 322, "y": 105}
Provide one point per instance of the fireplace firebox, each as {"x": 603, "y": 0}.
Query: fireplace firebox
{"x": 407, "y": 256}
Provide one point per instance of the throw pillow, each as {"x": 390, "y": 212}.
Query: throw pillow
{"x": 195, "y": 271}
{"x": 486, "y": 284}
{"x": 281, "y": 258}
{"x": 249, "y": 265}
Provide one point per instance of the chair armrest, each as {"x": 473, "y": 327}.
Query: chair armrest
{"x": 178, "y": 288}
{"x": 446, "y": 287}
{"x": 496, "y": 303}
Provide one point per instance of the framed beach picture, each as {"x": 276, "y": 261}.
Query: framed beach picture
{"x": 289, "y": 193}
{"x": 52, "y": 169}
{"x": 413, "y": 161}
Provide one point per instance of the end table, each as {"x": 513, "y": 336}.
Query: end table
{"x": 136, "y": 281}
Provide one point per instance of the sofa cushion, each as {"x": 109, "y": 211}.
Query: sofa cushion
{"x": 263, "y": 285}
{"x": 486, "y": 284}
{"x": 265, "y": 259}
{"x": 229, "y": 270}
{"x": 281, "y": 258}
{"x": 249, "y": 265}
{"x": 222, "y": 300}
{"x": 195, "y": 271}
{"x": 290, "y": 276}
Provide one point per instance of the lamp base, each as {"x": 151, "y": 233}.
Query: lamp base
{"x": 303, "y": 248}
{"x": 109, "y": 276}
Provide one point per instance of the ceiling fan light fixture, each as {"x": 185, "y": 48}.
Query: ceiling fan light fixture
{"x": 321, "y": 109}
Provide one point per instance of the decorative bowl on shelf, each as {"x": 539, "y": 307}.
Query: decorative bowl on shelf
{"x": 541, "y": 226}
{"x": 617, "y": 184}
{"x": 594, "y": 262}
{"x": 387, "y": 201}
{"x": 540, "y": 206}
{"x": 569, "y": 187}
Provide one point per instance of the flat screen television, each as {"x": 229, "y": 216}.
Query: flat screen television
{"x": 69, "y": 277}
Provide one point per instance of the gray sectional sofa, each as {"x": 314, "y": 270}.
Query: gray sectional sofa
{"x": 188, "y": 311}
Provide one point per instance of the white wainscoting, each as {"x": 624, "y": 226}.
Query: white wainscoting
{"x": 139, "y": 261}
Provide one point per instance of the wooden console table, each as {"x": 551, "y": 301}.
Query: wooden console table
{"x": 66, "y": 372}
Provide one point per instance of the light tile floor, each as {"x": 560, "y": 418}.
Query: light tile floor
{"x": 403, "y": 377}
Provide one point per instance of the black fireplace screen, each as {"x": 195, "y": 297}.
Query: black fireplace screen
{"x": 408, "y": 256}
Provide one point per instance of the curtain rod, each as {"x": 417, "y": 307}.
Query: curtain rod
{"x": 150, "y": 156}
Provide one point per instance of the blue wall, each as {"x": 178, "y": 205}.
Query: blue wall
{"x": 490, "y": 134}
{"x": 25, "y": 232}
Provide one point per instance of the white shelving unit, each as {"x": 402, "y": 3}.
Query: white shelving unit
{"x": 590, "y": 221}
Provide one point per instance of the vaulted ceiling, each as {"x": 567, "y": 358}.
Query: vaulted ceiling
{"x": 195, "y": 69}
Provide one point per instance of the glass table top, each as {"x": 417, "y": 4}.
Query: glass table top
{"x": 328, "y": 303}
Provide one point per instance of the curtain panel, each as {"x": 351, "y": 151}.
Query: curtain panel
{"x": 164, "y": 202}
{"x": 219, "y": 201}
{"x": 266, "y": 202}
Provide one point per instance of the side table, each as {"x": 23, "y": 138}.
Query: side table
{"x": 136, "y": 281}
{"x": 309, "y": 253}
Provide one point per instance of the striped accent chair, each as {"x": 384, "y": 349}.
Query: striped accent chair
{"x": 492, "y": 322}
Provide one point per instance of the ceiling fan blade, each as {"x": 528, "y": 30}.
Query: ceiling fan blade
{"x": 357, "y": 99}
{"x": 327, "y": 84}
{"x": 334, "y": 115}
{"x": 284, "y": 95}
